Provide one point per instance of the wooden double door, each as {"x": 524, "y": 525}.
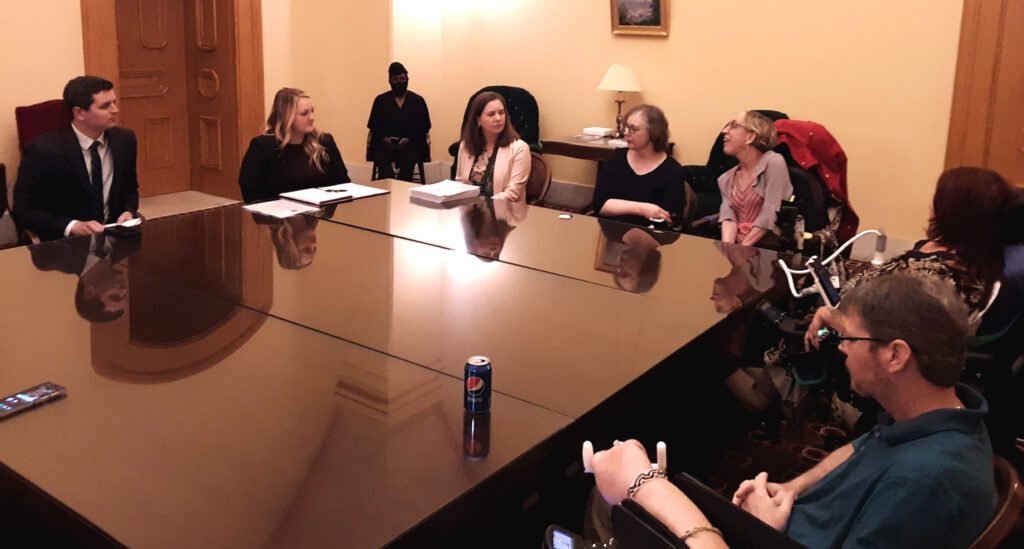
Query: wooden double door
{"x": 189, "y": 79}
{"x": 987, "y": 123}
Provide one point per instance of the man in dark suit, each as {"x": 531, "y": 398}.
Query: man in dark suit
{"x": 77, "y": 178}
{"x": 399, "y": 127}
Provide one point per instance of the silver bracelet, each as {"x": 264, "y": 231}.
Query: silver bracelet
{"x": 642, "y": 479}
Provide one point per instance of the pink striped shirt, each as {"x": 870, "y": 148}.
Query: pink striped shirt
{"x": 746, "y": 204}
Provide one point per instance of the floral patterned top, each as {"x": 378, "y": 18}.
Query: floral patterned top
{"x": 945, "y": 265}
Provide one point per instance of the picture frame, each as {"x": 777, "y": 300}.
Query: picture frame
{"x": 640, "y": 17}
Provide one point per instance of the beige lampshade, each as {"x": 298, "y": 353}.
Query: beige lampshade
{"x": 620, "y": 78}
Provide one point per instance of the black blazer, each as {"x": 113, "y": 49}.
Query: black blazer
{"x": 53, "y": 184}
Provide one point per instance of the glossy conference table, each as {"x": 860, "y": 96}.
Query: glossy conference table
{"x": 298, "y": 382}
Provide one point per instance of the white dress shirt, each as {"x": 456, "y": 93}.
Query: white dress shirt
{"x": 106, "y": 162}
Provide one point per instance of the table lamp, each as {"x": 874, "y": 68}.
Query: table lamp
{"x": 619, "y": 78}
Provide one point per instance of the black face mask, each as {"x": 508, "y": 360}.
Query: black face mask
{"x": 398, "y": 88}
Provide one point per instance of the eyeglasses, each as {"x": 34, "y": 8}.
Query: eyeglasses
{"x": 841, "y": 339}
{"x": 732, "y": 125}
{"x": 632, "y": 129}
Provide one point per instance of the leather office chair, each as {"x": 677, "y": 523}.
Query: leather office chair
{"x": 539, "y": 181}
{"x": 34, "y": 120}
{"x": 523, "y": 113}
{"x": 1008, "y": 508}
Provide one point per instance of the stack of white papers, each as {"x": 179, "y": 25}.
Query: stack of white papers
{"x": 445, "y": 191}
{"x": 321, "y": 196}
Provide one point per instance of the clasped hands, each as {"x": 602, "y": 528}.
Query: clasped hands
{"x": 769, "y": 501}
{"x": 396, "y": 142}
{"x": 616, "y": 468}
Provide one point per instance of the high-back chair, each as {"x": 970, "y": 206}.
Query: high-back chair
{"x": 523, "y": 113}
{"x": 704, "y": 179}
{"x": 1008, "y": 508}
{"x": 33, "y": 120}
{"x": 812, "y": 197}
{"x": 539, "y": 181}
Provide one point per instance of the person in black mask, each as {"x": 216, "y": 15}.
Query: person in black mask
{"x": 399, "y": 127}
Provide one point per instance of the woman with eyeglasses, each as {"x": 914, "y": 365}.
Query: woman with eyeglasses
{"x": 641, "y": 184}
{"x": 292, "y": 155}
{"x": 491, "y": 155}
{"x": 753, "y": 191}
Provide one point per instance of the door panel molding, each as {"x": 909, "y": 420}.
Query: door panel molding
{"x": 99, "y": 33}
{"x": 143, "y": 83}
{"x": 153, "y": 24}
{"x": 986, "y": 126}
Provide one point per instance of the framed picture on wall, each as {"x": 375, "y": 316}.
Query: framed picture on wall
{"x": 644, "y": 17}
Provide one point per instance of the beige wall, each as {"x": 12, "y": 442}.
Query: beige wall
{"x": 40, "y": 50}
{"x": 878, "y": 74}
{"x": 337, "y": 51}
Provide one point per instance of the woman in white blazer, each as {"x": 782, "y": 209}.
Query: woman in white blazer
{"x": 491, "y": 155}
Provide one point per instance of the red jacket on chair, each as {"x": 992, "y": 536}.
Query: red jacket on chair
{"x": 814, "y": 149}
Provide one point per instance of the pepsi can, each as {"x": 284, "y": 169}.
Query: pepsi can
{"x": 477, "y": 386}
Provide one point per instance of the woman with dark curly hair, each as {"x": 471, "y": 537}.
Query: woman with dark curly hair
{"x": 964, "y": 245}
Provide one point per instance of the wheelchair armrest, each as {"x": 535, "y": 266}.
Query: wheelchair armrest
{"x": 706, "y": 226}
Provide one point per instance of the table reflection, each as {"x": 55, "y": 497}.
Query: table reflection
{"x": 657, "y": 263}
{"x": 101, "y": 294}
{"x": 294, "y": 238}
{"x": 752, "y": 273}
{"x": 156, "y": 329}
{"x": 250, "y": 432}
{"x": 487, "y": 223}
{"x": 631, "y": 254}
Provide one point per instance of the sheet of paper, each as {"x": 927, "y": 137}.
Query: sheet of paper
{"x": 130, "y": 223}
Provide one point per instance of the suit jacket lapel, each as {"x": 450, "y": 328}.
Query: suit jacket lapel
{"x": 73, "y": 149}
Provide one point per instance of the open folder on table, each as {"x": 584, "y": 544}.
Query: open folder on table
{"x": 322, "y": 196}
{"x": 311, "y": 200}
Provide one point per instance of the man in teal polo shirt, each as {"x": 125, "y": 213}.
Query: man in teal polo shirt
{"x": 921, "y": 478}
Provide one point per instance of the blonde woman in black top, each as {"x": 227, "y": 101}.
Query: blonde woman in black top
{"x": 292, "y": 154}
